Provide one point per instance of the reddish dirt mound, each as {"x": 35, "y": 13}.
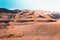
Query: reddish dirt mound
{"x": 37, "y": 31}
{"x": 12, "y": 29}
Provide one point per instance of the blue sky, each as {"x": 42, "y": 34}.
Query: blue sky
{"x": 48, "y": 5}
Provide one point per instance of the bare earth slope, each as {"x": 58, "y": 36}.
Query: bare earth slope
{"x": 28, "y": 25}
{"x": 39, "y": 31}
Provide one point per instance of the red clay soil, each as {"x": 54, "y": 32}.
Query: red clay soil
{"x": 14, "y": 30}
{"x": 35, "y": 31}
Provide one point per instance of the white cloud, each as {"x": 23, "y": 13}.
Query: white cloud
{"x": 49, "y": 5}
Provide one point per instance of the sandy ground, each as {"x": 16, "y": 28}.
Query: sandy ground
{"x": 31, "y": 31}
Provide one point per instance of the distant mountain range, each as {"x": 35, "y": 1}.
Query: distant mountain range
{"x": 30, "y": 13}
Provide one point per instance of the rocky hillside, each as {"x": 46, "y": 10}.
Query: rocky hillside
{"x": 28, "y": 14}
{"x": 29, "y": 25}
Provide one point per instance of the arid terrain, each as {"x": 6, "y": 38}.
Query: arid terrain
{"x": 29, "y": 25}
